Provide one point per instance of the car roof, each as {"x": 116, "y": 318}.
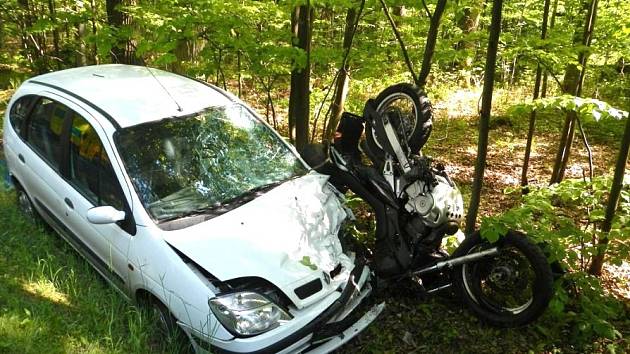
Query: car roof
{"x": 132, "y": 95}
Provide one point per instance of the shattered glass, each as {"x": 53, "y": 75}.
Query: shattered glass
{"x": 183, "y": 166}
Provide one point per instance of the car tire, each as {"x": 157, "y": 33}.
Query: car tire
{"x": 25, "y": 204}
{"x": 173, "y": 337}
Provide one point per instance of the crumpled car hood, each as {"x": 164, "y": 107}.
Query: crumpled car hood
{"x": 287, "y": 236}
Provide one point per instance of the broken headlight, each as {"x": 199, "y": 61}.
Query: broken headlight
{"x": 247, "y": 313}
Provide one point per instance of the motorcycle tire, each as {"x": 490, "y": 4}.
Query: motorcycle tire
{"x": 510, "y": 289}
{"x": 415, "y": 111}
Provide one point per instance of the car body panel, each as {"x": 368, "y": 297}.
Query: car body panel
{"x": 116, "y": 89}
{"x": 287, "y": 236}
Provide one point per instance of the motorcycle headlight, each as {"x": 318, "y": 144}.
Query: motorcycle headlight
{"x": 247, "y": 313}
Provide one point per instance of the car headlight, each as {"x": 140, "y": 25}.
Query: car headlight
{"x": 247, "y": 313}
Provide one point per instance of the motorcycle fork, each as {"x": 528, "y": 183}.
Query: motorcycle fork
{"x": 450, "y": 264}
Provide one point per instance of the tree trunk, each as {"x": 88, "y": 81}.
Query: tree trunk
{"x": 341, "y": 91}
{"x": 182, "y": 54}
{"x": 123, "y": 51}
{"x": 532, "y": 116}
{"x": 95, "y": 58}
{"x": 573, "y": 79}
{"x": 552, "y": 24}
{"x": 32, "y": 45}
{"x": 400, "y": 41}
{"x": 300, "y": 90}
{"x": 295, "y": 14}
{"x": 429, "y": 47}
{"x": 53, "y": 18}
{"x": 486, "y": 108}
{"x": 81, "y": 58}
{"x": 468, "y": 23}
{"x": 615, "y": 191}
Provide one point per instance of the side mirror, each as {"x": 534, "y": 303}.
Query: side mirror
{"x": 104, "y": 215}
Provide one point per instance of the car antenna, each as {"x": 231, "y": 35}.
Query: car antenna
{"x": 179, "y": 108}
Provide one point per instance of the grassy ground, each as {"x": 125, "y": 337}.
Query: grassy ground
{"x": 51, "y": 300}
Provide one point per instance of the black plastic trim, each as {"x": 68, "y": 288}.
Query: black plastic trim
{"x": 74, "y": 95}
{"x": 308, "y": 289}
{"x": 217, "y": 89}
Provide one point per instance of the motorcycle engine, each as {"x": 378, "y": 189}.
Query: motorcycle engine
{"x": 436, "y": 204}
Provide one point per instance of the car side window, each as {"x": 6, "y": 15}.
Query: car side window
{"x": 90, "y": 169}
{"x": 18, "y": 113}
{"x": 45, "y": 128}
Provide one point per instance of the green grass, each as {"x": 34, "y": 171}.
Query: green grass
{"x": 52, "y": 301}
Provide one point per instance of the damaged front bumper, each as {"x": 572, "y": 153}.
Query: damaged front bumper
{"x": 346, "y": 317}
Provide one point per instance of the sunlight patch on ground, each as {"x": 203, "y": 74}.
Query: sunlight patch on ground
{"x": 617, "y": 279}
{"x": 47, "y": 290}
{"x": 460, "y": 103}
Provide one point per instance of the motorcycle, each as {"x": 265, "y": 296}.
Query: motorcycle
{"x": 416, "y": 204}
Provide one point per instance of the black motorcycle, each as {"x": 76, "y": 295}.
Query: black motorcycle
{"x": 507, "y": 283}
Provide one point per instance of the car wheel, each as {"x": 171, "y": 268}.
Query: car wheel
{"x": 25, "y": 204}
{"x": 174, "y": 338}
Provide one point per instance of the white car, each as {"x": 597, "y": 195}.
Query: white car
{"x": 184, "y": 199}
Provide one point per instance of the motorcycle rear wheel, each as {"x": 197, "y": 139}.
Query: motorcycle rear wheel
{"x": 411, "y": 112}
{"x": 510, "y": 289}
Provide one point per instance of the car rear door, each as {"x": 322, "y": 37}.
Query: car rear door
{"x": 40, "y": 159}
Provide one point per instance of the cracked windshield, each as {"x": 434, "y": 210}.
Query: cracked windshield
{"x": 192, "y": 165}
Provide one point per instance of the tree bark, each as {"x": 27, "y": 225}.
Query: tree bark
{"x": 532, "y": 116}
{"x": 552, "y": 24}
{"x": 341, "y": 91}
{"x": 123, "y": 50}
{"x": 81, "y": 58}
{"x": 468, "y": 23}
{"x": 295, "y": 14}
{"x": 573, "y": 79}
{"x": 615, "y": 191}
{"x": 486, "y": 108}
{"x": 300, "y": 82}
{"x": 53, "y": 18}
{"x": 93, "y": 19}
{"x": 429, "y": 48}
{"x": 400, "y": 42}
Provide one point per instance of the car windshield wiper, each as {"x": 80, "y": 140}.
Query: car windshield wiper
{"x": 261, "y": 189}
{"x": 216, "y": 207}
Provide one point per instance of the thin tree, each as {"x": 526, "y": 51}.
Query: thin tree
{"x": 532, "y": 116}
{"x": 573, "y": 80}
{"x": 299, "y": 98}
{"x": 484, "y": 121}
{"x": 343, "y": 77}
{"x": 52, "y": 16}
{"x": 613, "y": 200}
{"x": 429, "y": 48}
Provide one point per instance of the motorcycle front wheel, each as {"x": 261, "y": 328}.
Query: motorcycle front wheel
{"x": 410, "y": 111}
{"x": 510, "y": 289}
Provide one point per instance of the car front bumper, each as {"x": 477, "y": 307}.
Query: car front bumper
{"x": 346, "y": 317}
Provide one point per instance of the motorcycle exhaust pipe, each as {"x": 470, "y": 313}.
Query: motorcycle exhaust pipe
{"x": 450, "y": 263}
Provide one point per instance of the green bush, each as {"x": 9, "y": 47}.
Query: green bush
{"x": 564, "y": 219}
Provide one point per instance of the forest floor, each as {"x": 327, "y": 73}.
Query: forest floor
{"x": 50, "y": 298}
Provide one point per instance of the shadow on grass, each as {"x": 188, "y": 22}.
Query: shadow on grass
{"x": 52, "y": 301}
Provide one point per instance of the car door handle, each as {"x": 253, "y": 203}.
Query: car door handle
{"x": 21, "y": 158}
{"x": 69, "y": 203}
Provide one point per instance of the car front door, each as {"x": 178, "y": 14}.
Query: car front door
{"x": 93, "y": 182}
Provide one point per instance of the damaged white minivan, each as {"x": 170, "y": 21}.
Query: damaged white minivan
{"x": 184, "y": 199}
